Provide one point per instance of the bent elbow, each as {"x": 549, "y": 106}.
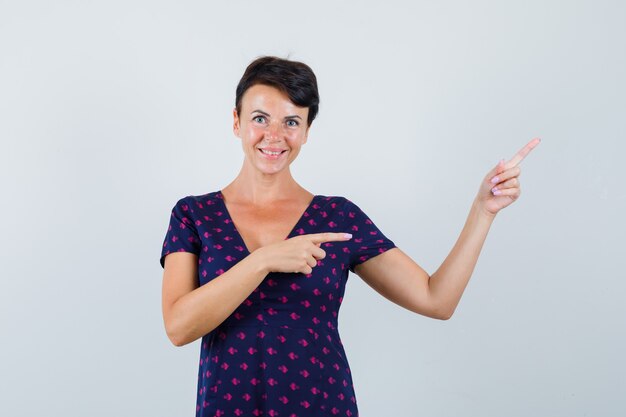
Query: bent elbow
{"x": 180, "y": 339}
{"x": 446, "y": 316}
{"x": 437, "y": 315}
{"x": 443, "y": 314}
{"x": 177, "y": 342}
{"x": 439, "y": 309}
{"x": 175, "y": 339}
{"x": 174, "y": 335}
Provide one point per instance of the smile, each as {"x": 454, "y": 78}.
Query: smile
{"x": 270, "y": 154}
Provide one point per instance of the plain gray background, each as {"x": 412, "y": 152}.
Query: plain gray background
{"x": 110, "y": 111}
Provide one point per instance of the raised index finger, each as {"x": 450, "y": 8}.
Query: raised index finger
{"x": 328, "y": 237}
{"x": 519, "y": 156}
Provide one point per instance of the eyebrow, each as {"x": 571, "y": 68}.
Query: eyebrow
{"x": 293, "y": 116}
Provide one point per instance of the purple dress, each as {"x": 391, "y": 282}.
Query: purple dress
{"x": 279, "y": 353}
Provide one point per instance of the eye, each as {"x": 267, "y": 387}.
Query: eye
{"x": 259, "y": 119}
{"x": 292, "y": 123}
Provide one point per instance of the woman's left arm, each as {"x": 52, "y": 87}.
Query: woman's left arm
{"x": 401, "y": 280}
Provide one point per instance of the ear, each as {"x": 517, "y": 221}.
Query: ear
{"x": 235, "y": 122}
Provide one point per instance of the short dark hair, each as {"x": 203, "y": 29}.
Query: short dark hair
{"x": 294, "y": 78}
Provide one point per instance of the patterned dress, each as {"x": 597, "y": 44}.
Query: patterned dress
{"x": 279, "y": 353}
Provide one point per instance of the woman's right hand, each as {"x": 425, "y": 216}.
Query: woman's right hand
{"x": 297, "y": 254}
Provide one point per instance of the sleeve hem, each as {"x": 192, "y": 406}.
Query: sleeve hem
{"x": 162, "y": 260}
{"x": 358, "y": 261}
{"x": 182, "y": 227}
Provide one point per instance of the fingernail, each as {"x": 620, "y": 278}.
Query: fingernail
{"x": 495, "y": 180}
{"x": 347, "y": 235}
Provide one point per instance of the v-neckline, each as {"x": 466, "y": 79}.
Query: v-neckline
{"x": 220, "y": 197}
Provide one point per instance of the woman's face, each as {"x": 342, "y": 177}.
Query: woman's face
{"x": 270, "y": 121}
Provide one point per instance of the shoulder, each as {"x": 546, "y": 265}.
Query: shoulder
{"x": 342, "y": 202}
{"x": 200, "y": 200}
{"x": 331, "y": 199}
{"x": 195, "y": 206}
{"x": 333, "y": 203}
{"x": 335, "y": 199}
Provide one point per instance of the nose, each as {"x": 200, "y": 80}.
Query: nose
{"x": 272, "y": 132}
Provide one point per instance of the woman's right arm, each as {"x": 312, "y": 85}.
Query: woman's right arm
{"x": 189, "y": 311}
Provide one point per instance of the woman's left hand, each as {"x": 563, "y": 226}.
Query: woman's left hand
{"x": 501, "y": 185}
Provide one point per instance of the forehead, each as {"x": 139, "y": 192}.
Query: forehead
{"x": 269, "y": 99}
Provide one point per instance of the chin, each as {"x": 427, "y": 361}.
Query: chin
{"x": 271, "y": 170}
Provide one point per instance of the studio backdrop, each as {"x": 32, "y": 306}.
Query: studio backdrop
{"x": 112, "y": 111}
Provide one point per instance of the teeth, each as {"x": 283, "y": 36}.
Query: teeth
{"x": 270, "y": 153}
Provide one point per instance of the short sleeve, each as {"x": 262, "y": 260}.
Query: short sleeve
{"x": 182, "y": 235}
{"x": 367, "y": 239}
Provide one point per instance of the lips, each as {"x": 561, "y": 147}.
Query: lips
{"x": 275, "y": 151}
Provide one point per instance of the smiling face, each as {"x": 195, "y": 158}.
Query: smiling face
{"x": 270, "y": 121}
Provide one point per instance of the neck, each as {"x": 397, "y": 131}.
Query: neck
{"x": 259, "y": 188}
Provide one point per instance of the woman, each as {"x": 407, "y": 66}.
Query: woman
{"x": 258, "y": 269}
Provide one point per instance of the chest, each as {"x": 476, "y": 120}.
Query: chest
{"x": 258, "y": 228}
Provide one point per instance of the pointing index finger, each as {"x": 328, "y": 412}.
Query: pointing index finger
{"x": 329, "y": 237}
{"x": 521, "y": 154}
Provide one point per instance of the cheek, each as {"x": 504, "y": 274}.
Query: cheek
{"x": 296, "y": 137}
{"x": 253, "y": 132}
